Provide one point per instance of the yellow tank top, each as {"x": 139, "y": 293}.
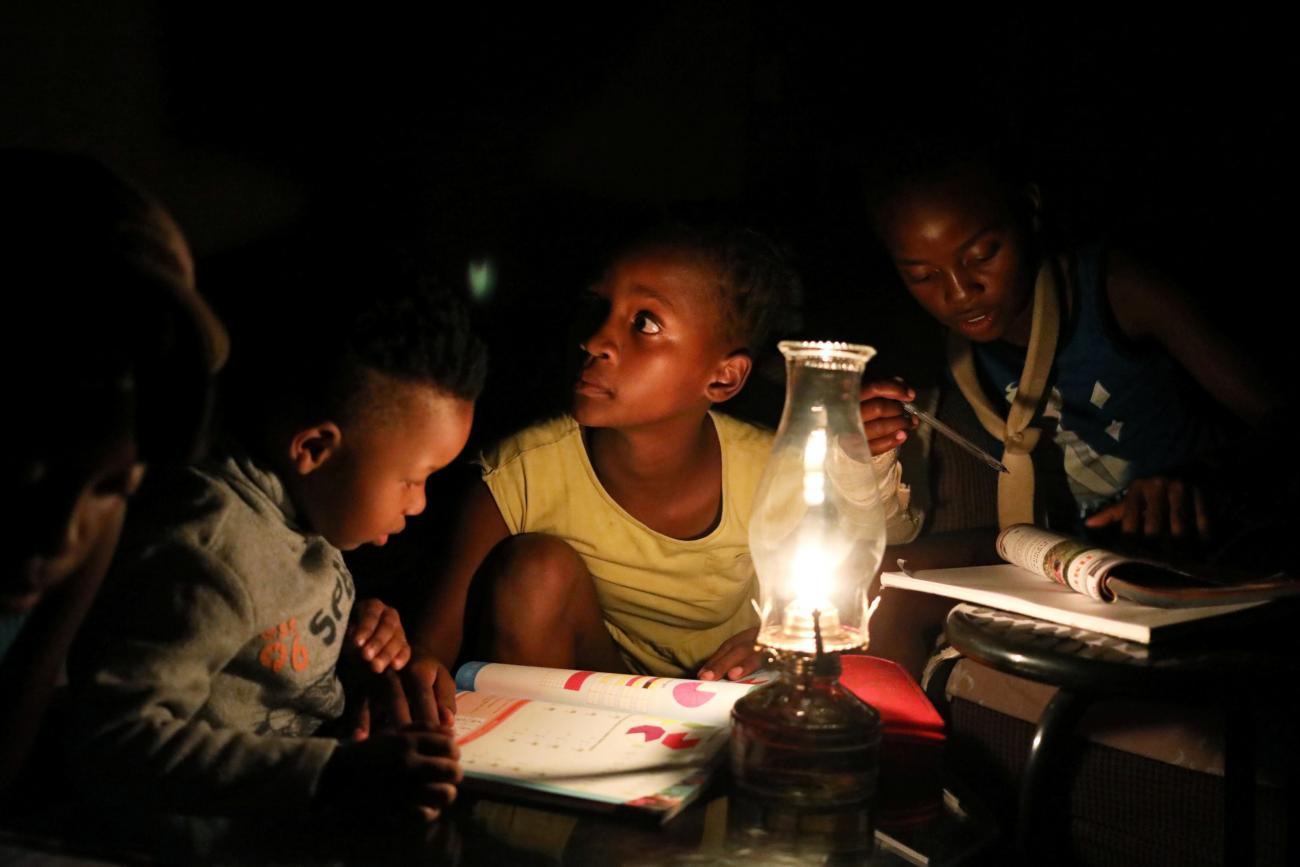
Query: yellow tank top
{"x": 668, "y": 603}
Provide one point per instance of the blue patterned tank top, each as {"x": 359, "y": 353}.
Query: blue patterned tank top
{"x": 1118, "y": 411}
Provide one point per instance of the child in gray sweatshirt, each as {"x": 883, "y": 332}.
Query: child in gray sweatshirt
{"x": 210, "y": 663}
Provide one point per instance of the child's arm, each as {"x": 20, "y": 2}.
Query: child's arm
{"x": 1148, "y": 306}
{"x": 437, "y": 639}
{"x": 142, "y": 685}
{"x": 375, "y": 640}
{"x": 886, "y": 425}
{"x": 141, "y": 677}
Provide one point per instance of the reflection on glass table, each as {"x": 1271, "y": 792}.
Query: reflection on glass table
{"x": 719, "y": 829}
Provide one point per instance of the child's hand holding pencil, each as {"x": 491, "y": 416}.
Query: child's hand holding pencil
{"x": 888, "y": 413}
{"x": 884, "y": 419}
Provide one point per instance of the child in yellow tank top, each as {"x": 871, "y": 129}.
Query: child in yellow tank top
{"x": 668, "y": 603}
{"x": 616, "y": 539}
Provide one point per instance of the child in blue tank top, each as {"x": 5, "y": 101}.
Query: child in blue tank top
{"x": 1130, "y": 394}
{"x": 1130, "y": 367}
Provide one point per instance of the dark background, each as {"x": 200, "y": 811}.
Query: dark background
{"x": 533, "y": 137}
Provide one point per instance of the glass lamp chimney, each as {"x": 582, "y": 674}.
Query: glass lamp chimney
{"x": 817, "y": 535}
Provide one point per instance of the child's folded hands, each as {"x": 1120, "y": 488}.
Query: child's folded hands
{"x": 422, "y": 695}
{"x": 407, "y": 774}
{"x": 411, "y": 687}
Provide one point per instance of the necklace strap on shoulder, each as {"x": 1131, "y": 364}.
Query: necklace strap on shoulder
{"x": 1014, "y": 431}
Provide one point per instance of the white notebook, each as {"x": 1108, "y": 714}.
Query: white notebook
{"x": 1011, "y": 588}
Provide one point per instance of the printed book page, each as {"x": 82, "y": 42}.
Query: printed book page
{"x": 698, "y": 701}
{"x": 609, "y": 756}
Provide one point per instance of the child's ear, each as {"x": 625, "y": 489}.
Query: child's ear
{"x": 312, "y": 447}
{"x": 730, "y": 376}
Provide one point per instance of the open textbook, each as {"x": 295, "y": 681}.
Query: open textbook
{"x": 619, "y": 742}
{"x": 1064, "y": 580}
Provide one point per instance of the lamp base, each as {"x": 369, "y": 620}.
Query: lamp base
{"x": 804, "y": 740}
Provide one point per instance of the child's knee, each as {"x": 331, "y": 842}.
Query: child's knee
{"x": 533, "y": 572}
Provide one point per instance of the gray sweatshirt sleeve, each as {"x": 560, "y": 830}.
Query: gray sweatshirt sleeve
{"x": 141, "y": 676}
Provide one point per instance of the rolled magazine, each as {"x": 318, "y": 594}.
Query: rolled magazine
{"x": 1106, "y": 575}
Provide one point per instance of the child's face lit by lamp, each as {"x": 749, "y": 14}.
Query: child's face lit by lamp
{"x": 817, "y": 536}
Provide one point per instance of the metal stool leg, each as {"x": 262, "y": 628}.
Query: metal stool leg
{"x": 1239, "y": 784}
{"x": 1050, "y": 741}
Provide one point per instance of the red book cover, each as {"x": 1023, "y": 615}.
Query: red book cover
{"x": 912, "y": 739}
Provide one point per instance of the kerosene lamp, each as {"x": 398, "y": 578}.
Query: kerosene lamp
{"x": 816, "y": 535}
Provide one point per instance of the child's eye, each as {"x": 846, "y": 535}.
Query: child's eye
{"x": 987, "y": 253}
{"x": 915, "y": 277}
{"x": 645, "y": 323}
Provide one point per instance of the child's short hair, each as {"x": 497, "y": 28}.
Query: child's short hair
{"x": 756, "y": 283}
{"x": 367, "y": 316}
{"x": 911, "y": 161}
{"x": 413, "y": 331}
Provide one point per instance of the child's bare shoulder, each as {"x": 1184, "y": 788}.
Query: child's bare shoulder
{"x": 531, "y": 443}
{"x": 742, "y": 434}
{"x": 1144, "y": 301}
